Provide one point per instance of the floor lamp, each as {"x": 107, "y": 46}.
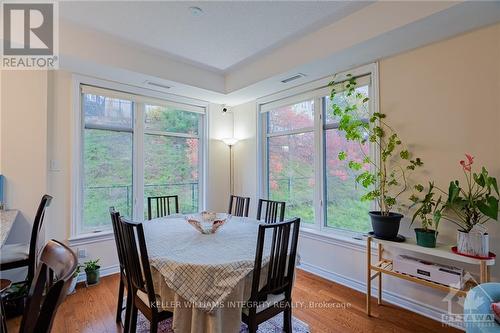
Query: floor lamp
{"x": 230, "y": 142}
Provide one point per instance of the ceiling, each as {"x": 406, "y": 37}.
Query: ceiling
{"x": 225, "y": 36}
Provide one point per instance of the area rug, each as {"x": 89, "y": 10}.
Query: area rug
{"x": 273, "y": 325}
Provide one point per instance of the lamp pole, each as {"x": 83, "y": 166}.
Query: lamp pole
{"x": 230, "y": 142}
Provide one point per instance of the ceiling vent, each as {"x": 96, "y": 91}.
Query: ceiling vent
{"x": 293, "y": 78}
{"x": 158, "y": 85}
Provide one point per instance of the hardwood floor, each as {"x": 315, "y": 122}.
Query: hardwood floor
{"x": 92, "y": 310}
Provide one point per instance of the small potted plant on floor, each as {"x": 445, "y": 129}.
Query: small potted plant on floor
{"x": 14, "y": 299}
{"x": 386, "y": 179}
{"x": 92, "y": 271}
{"x": 429, "y": 213}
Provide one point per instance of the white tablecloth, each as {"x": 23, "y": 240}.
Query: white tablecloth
{"x": 204, "y": 278}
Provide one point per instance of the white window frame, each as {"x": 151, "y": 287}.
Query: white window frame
{"x": 77, "y": 236}
{"x": 314, "y": 90}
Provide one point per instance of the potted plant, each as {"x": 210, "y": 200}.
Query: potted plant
{"x": 473, "y": 204}
{"x": 429, "y": 212}
{"x": 72, "y": 286}
{"x": 92, "y": 271}
{"x": 14, "y": 299}
{"x": 387, "y": 179}
{"x": 468, "y": 207}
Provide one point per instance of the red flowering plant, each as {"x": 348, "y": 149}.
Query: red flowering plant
{"x": 476, "y": 202}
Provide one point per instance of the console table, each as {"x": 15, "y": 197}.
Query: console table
{"x": 384, "y": 266}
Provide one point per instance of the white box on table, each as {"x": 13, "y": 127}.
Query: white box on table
{"x": 447, "y": 275}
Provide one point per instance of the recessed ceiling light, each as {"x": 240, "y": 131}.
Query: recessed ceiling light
{"x": 196, "y": 11}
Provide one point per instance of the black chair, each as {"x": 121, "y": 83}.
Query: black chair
{"x": 49, "y": 289}
{"x": 162, "y": 205}
{"x": 238, "y": 206}
{"x": 140, "y": 282}
{"x": 272, "y": 208}
{"x": 115, "y": 221}
{"x": 276, "y": 295}
{"x": 20, "y": 255}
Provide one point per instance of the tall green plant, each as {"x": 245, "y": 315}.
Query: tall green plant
{"x": 387, "y": 179}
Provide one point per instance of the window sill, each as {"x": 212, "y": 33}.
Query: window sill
{"x": 89, "y": 238}
{"x": 351, "y": 240}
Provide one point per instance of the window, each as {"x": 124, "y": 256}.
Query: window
{"x": 300, "y": 146}
{"x": 171, "y": 155}
{"x": 343, "y": 209}
{"x": 134, "y": 147}
{"x": 290, "y": 141}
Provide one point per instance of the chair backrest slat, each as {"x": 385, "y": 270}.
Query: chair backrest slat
{"x": 238, "y": 206}
{"x": 115, "y": 222}
{"x": 162, "y": 204}
{"x": 272, "y": 208}
{"x": 136, "y": 258}
{"x": 34, "y": 249}
{"x": 283, "y": 253}
{"x": 57, "y": 263}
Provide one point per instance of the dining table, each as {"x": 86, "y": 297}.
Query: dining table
{"x": 204, "y": 279}
{"x": 7, "y": 219}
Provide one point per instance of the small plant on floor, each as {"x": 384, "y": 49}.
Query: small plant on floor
{"x": 386, "y": 179}
{"x": 92, "y": 271}
{"x": 429, "y": 213}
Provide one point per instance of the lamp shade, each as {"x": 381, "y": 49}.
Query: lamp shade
{"x": 230, "y": 141}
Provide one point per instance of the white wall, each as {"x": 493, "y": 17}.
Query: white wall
{"x": 245, "y": 152}
{"x": 220, "y": 126}
{"x": 443, "y": 99}
{"x": 23, "y": 157}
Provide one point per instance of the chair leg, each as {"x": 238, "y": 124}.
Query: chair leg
{"x": 252, "y": 326}
{"x": 153, "y": 326}
{"x": 287, "y": 319}
{"x": 128, "y": 311}
{"x": 133, "y": 319}
{"x": 119, "y": 307}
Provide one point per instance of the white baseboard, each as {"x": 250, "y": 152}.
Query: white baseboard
{"x": 423, "y": 309}
{"x": 110, "y": 270}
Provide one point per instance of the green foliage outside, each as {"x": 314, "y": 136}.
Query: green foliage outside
{"x": 170, "y": 163}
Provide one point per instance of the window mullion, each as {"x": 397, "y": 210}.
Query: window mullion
{"x": 138, "y": 158}
{"x": 318, "y": 161}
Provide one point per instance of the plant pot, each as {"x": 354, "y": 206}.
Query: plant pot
{"x": 426, "y": 238}
{"x": 385, "y": 226}
{"x": 72, "y": 286}
{"x": 14, "y": 302}
{"x": 92, "y": 276}
{"x": 473, "y": 243}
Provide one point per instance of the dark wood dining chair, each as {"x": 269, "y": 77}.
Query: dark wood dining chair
{"x": 272, "y": 208}
{"x": 115, "y": 221}
{"x": 276, "y": 295}
{"x": 49, "y": 288}
{"x": 21, "y": 255}
{"x": 139, "y": 277}
{"x": 161, "y": 206}
{"x": 238, "y": 206}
